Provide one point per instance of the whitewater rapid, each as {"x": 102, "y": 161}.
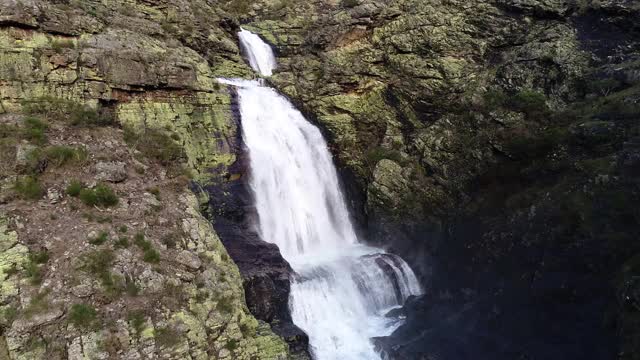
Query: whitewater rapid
{"x": 343, "y": 288}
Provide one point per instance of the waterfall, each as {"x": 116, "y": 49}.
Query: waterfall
{"x": 343, "y": 288}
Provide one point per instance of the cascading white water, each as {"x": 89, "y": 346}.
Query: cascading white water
{"x": 258, "y": 52}
{"x": 342, "y": 289}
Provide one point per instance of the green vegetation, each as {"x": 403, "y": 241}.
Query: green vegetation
{"x": 150, "y": 254}
{"x": 122, "y": 242}
{"x": 350, "y": 3}
{"x": 35, "y": 130}
{"x": 167, "y": 336}
{"x": 225, "y": 305}
{"x": 137, "y": 319}
{"x": 523, "y": 143}
{"x": 28, "y": 188}
{"x": 99, "y": 218}
{"x": 170, "y": 240}
{"x": 239, "y": 7}
{"x": 123, "y": 229}
{"x": 232, "y": 344}
{"x": 156, "y": 144}
{"x": 532, "y": 103}
{"x": 99, "y": 263}
{"x": 130, "y": 286}
{"x": 100, "y": 239}
{"x": 57, "y": 109}
{"x": 376, "y": 154}
{"x": 39, "y": 303}
{"x": 33, "y": 268}
{"x": 83, "y": 315}
{"x": 155, "y": 191}
{"x": 74, "y": 188}
{"x": 8, "y": 315}
{"x": 102, "y": 196}
{"x": 62, "y": 155}
{"x": 58, "y": 45}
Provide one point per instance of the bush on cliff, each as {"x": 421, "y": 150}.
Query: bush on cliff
{"x": 28, "y": 188}
{"x": 156, "y": 144}
{"x": 76, "y": 114}
{"x": 102, "y": 195}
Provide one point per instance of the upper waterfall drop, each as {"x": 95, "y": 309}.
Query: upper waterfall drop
{"x": 259, "y": 53}
{"x": 342, "y": 289}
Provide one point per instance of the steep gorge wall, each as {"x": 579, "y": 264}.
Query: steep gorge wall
{"x": 494, "y": 145}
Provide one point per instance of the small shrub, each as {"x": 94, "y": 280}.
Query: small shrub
{"x": 247, "y": 330}
{"x": 155, "y": 191}
{"x": 33, "y": 268}
{"x": 137, "y": 320}
{"x": 84, "y": 116}
{"x": 58, "y": 45}
{"x": 239, "y": 7}
{"x": 100, "y": 239}
{"x": 374, "y": 156}
{"x": 82, "y": 315}
{"x": 8, "y": 131}
{"x": 28, "y": 188}
{"x": 151, "y": 256}
{"x": 35, "y": 130}
{"x": 232, "y": 345}
{"x": 9, "y": 314}
{"x": 170, "y": 240}
{"x": 12, "y": 270}
{"x": 225, "y": 305}
{"x": 532, "y": 103}
{"x": 493, "y": 99}
{"x": 74, "y": 188}
{"x": 62, "y": 155}
{"x": 56, "y": 109}
{"x": 40, "y": 257}
{"x": 104, "y": 219}
{"x": 130, "y": 286}
{"x": 141, "y": 242}
{"x": 99, "y": 264}
{"x": 122, "y": 242}
{"x": 156, "y": 144}
{"x": 39, "y": 303}
{"x": 123, "y": 229}
{"x": 167, "y": 337}
{"x": 102, "y": 195}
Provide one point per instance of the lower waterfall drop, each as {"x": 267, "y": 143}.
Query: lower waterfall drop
{"x": 342, "y": 288}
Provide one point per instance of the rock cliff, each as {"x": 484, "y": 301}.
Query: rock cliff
{"x": 494, "y": 145}
{"x": 109, "y": 113}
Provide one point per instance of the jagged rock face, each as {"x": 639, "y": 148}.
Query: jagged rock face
{"x": 493, "y": 143}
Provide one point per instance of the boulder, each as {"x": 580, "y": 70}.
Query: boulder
{"x": 114, "y": 172}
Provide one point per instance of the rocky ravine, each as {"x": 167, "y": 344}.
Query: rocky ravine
{"x": 494, "y": 144}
